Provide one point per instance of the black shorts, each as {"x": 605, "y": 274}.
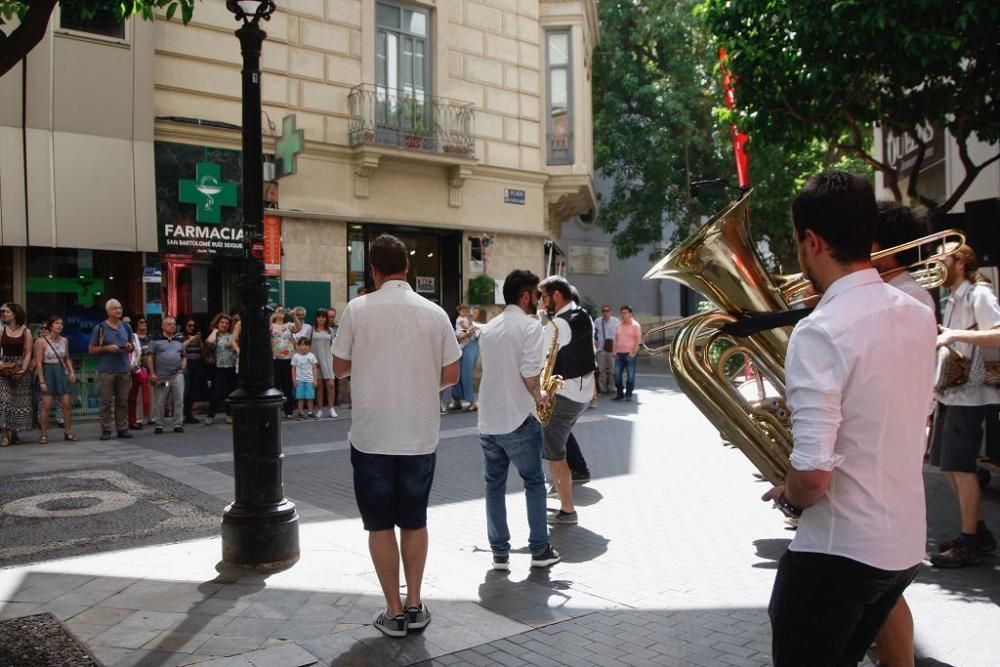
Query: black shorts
{"x": 957, "y": 437}
{"x": 392, "y": 490}
{"x": 826, "y": 610}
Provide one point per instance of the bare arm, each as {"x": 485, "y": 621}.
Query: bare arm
{"x": 296, "y": 323}
{"x": 534, "y": 388}
{"x": 26, "y": 355}
{"x": 987, "y": 338}
{"x": 341, "y": 367}
{"x": 210, "y": 341}
{"x": 449, "y": 375}
{"x": 39, "y": 352}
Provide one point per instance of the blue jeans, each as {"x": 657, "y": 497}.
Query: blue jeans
{"x": 624, "y": 364}
{"x": 523, "y": 448}
{"x": 467, "y": 366}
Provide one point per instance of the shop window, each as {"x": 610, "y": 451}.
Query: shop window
{"x": 99, "y": 21}
{"x": 477, "y": 255}
{"x": 559, "y": 105}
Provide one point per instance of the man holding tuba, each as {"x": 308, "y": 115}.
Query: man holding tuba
{"x": 859, "y": 379}
{"x": 575, "y": 362}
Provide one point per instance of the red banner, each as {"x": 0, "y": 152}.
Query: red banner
{"x": 739, "y": 138}
{"x": 272, "y": 245}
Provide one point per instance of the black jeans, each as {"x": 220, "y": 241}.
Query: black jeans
{"x": 283, "y": 383}
{"x": 223, "y": 384}
{"x": 192, "y": 384}
{"x": 826, "y": 610}
{"x": 574, "y": 457}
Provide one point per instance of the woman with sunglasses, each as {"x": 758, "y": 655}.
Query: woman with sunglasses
{"x": 55, "y": 375}
{"x": 15, "y": 380}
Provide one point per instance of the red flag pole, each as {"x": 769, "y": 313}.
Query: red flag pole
{"x": 739, "y": 138}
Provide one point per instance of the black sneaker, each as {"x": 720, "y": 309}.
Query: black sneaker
{"x": 179, "y": 429}
{"x": 417, "y": 618}
{"x": 629, "y": 398}
{"x": 547, "y": 558}
{"x": 312, "y": 415}
{"x": 581, "y": 476}
{"x": 105, "y": 435}
{"x": 391, "y": 627}
{"x": 191, "y": 420}
{"x": 300, "y": 417}
{"x": 958, "y": 556}
{"x": 124, "y": 435}
{"x": 618, "y": 398}
{"x": 501, "y": 563}
{"x": 158, "y": 430}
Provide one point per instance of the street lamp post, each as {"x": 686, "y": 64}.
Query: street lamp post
{"x": 260, "y": 528}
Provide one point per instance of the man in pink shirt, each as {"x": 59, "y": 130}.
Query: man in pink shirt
{"x": 627, "y": 339}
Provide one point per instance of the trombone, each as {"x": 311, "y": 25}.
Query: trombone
{"x": 930, "y": 273}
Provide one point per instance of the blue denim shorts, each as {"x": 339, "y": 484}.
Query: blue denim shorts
{"x": 392, "y": 490}
{"x": 305, "y": 391}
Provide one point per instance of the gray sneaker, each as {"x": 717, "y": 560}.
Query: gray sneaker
{"x": 562, "y": 519}
{"x": 552, "y": 492}
{"x": 394, "y": 626}
{"x": 417, "y": 618}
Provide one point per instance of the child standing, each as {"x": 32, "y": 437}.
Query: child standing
{"x": 305, "y": 367}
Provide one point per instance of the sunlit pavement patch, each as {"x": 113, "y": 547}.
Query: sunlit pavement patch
{"x": 71, "y": 512}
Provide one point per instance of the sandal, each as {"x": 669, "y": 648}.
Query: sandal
{"x": 472, "y": 407}
{"x": 70, "y": 437}
{"x": 43, "y": 439}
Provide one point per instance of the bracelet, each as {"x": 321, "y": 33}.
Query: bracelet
{"x": 787, "y": 508}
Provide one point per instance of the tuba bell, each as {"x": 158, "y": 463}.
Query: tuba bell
{"x": 719, "y": 261}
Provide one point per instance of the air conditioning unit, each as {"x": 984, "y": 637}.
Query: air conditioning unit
{"x": 270, "y": 171}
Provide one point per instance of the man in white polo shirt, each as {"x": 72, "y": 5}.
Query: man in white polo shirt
{"x": 856, "y": 476}
{"x": 400, "y": 351}
{"x": 509, "y": 431}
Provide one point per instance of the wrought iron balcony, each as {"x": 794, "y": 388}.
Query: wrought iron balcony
{"x": 411, "y": 120}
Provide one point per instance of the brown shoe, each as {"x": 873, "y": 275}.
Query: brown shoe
{"x": 985, "y": 542}
{"x": 959, "y": 555}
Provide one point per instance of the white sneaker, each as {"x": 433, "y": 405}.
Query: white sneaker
{"x": 333, "y": 413}
{"x": 208, "y": 421}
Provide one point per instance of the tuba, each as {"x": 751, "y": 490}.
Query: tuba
{"x": 549, "y": 383}
{"x": 720, "y": 262}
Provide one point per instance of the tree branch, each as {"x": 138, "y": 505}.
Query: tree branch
{"x": 971, "y": 170}
{"x": 27, "y": 35}
{"x": 888, "y": 173}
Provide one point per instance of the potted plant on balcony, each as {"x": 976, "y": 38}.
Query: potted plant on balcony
{"x": 412, "y": 121}
{"x": 482, "y": 289}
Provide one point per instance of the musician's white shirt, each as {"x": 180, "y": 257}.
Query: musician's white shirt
{"x": 859, "y": 377}
{"x": 904, "y": 282}
{"x": 971, "y": 307}
{"x": 579, "y": 389}
{"x": 397, "y": 343}
{"x": 511, "y": 349}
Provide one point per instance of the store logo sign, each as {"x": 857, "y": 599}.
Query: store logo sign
{"x": 207, "y": 192}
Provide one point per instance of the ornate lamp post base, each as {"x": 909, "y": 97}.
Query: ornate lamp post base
{"x": 262, "y": 533}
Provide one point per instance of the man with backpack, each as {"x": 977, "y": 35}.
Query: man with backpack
{"x": 111, "y": 342}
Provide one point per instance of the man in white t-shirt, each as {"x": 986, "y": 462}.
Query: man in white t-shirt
{"x": 856, "y": 475}
{"x": 400, "y": 351}
{"x": 306, "y": 331}
{"x": 509, "y": 430}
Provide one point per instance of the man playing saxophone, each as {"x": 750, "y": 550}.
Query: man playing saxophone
{"x": 575, "y": 362}
{"x": 859, "y": 378}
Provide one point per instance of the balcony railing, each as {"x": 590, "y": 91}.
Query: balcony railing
{"x": 411, "y": 120}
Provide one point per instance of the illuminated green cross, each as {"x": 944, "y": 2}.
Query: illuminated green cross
{"x": 288, "y": 146}
{"x": 207, "y": 192}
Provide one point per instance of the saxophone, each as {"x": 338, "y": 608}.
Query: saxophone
{"x": 549, "y": 383}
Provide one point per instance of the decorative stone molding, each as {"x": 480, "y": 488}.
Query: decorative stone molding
{"x": 456, "y": 181}
{"x": 365, "y": 164}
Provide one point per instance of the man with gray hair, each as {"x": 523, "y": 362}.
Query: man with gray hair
{"x": 111, "y": 342}
{"x": 167, "y": 361}
{"x": 306, "y": 331}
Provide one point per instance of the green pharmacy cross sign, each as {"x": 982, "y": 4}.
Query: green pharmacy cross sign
{"x": 288, "y": 146}
{"x": 207, "y": 192}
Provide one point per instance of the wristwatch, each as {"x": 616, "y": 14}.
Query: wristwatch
{"x": 788, "y": 509}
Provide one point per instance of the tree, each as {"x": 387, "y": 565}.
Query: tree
{"x": 829, "y": 72}
{"x": 654, "y": 129}
{"x": 33, "y": 20}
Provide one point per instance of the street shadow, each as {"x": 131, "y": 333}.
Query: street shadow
{"x": 770, "y": 551}
{"x": 585, "y": 496}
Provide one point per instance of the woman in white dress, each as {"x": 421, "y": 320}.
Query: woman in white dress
{"x": 322, "y": 348}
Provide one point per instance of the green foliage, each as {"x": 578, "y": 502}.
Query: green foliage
{"x": 145, "y": 9}
{"x": 829, "y": 71}
{"x": 482, "y": 290}
{"x": 654, "y": 92}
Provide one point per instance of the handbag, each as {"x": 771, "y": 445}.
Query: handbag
{"x": 953, "y": 368}
{"x": 609, "y": 345}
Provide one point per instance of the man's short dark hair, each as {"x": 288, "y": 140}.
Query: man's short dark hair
{"x": 388, "y": 255}
{"x": 557, "y": 284}
{"x": 898, "y": 224}
{"x": 840, "y": 208}
{"x": 517, "y": 283}
{"x": 626, "y": 307}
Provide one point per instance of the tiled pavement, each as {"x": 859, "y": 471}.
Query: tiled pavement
{"x": 671, "y": 565}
